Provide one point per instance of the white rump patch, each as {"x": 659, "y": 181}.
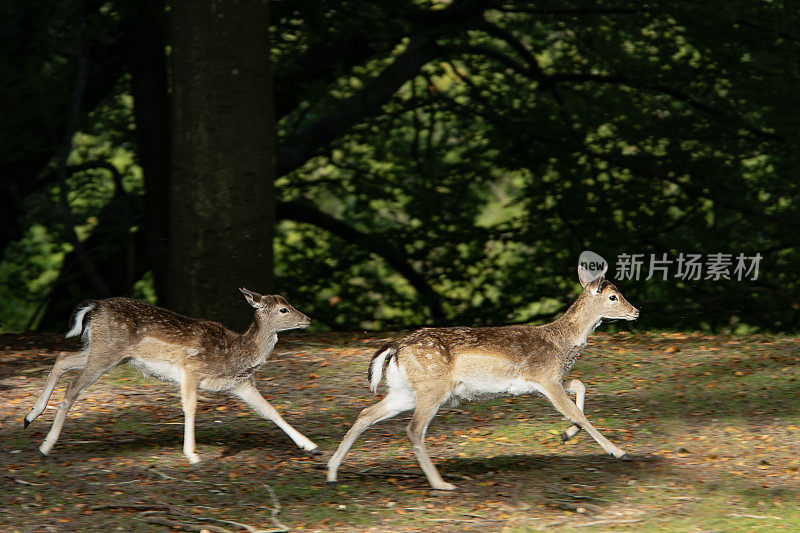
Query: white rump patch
{"x": 397, "y": 380}
{"x": 399, "y": 401}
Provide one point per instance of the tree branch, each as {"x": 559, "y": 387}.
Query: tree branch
{"x": 703, "y": 192}
{"x": 396, "y": 258}
{"x": 352, "y": 47}
{"x": 488, "y": 51}
{"x": 297, "y": 149}
{"x": 534, "y": 70}
{"x": 693, "y": 190}
{"x": 315, "y": 65}
{"x": 669, "y": 91}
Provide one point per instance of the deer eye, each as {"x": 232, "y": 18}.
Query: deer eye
{"x": 284, "y": 310}
{"x": 613, "y": 297}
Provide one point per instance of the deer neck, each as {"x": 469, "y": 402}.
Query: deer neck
{"x": 575, "y": 326}
{"x": 259, "y": 340}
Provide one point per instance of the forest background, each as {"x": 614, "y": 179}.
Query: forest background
{"x": 390, "y": 164}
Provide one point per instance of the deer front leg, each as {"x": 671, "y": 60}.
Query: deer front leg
{"x": 189, "y": 403}
{"x": 558, "y": 397}
{"x": 577, "y": 388}
{"x": 250, "y": 395}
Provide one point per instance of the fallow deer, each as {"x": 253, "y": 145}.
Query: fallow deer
{"x": 432, "y": 366}
{"x": 191, "y": 352}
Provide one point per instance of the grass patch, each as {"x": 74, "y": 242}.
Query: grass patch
{"x": 712, "y": 423}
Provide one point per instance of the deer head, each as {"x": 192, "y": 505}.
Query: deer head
{"x": 602, "y": 298}
{"x": 276, "y": 311}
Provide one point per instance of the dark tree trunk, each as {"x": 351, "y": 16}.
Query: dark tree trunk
{"x": 222, "y": 209}
{"x": 10, "y": 214}
{"x": 35, "y": 105}
{"x": 146, "y": 46}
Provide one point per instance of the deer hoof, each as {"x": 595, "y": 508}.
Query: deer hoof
{"x": 564, "y": 437}
{"x": 193, "y": 458}
{"x": 314, "y": 451}
{"x": 444, "y": 486}
{"x": 25, "y": 423}
{"x": 625, "y": 458}
{"x": 44, "y": 448}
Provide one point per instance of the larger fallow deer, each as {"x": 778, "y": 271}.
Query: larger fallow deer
{"x": 432, "y": 366}
{"x": 194, "y": 353}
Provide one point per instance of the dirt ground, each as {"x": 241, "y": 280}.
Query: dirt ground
{"x": 712, "y": 423}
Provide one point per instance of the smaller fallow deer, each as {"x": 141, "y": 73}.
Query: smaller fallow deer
{"x": 432, "y": 366}
{"x": 191, "y": 352}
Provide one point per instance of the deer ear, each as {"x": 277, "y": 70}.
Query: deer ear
{"x": 601, "y": 278}
{"x": 593, "y": 281}
{"x": 597, "y": 283}
{"x": 253, "y": 298}
{"x": 584, "y": 276}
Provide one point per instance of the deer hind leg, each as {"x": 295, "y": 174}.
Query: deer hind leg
{"x": 250, "y": 395}
{"x": 577, "y": 388}
{"x": 392, "y": 405}
{"x": 558, "y": 397}
{"x": 64, "y": 363}
{"x": 96, "y": 365}
{"x": 427, "y": 406}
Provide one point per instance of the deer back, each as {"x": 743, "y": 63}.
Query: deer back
{"x": 164, "y": 343}
{"x": 479, "y": 361}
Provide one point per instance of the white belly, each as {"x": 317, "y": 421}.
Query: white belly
{"x": 160, "y": 359}
{"x": 159, "y": 369}
{"x": 469, "y": 387}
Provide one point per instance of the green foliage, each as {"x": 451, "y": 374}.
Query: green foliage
{"x": 31, "y": 265}
{"x": 646, "y": 130}
{"x": 535, "y": 133}
{"x": 28, "y": 269}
